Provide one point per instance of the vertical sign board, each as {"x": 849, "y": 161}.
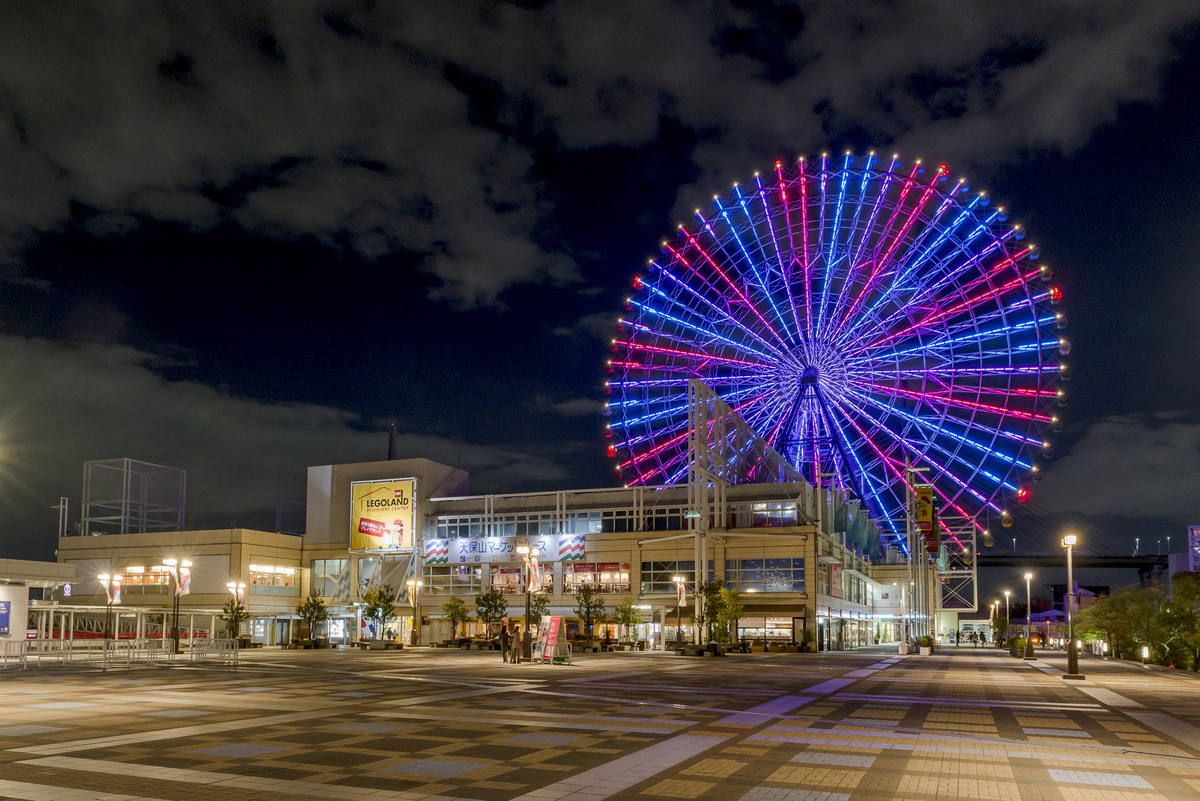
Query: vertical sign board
{"x": 382, "y": 514}
{"x": 835, "y": 580}
{"x": 552, "y": 641}
{"x": 924, "y": 509}
{"x": 4, "y": 615}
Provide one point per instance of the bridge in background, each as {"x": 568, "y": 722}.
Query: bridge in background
{"x": 1059, "y": 559}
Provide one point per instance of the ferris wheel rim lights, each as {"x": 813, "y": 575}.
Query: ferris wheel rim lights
{"x": 860, "y": 318}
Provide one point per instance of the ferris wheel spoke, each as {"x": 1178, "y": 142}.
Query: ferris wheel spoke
{"x": 717, "y": 310}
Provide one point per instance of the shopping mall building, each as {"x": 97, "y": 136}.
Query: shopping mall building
{"x": 794, "y": 553}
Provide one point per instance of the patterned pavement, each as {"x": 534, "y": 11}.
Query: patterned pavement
{"x": 430, "y": 724}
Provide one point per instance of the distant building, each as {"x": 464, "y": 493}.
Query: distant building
{"x": 1084, "y": 596}
{"x": 1190, "y": 559}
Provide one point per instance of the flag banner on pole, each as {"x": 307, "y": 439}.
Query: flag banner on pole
{"x": 116, "y": 590}
{"x": 107, "y": 592}
{"x": 682, "y": 586}
{"x": 241, "y": 595}
{"x": 183, "y": 586}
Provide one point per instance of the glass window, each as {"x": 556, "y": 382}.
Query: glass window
{"x": 765, "y": 575}
{"x": 272, "y": 576}
{"x": 507, "y": 580}
{"x": 325, "y": 574}
{"x": 452, "y": 579}
{"x": 657, "y": 577}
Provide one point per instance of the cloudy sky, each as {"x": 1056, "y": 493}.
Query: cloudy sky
{"x": 243, "y": 238}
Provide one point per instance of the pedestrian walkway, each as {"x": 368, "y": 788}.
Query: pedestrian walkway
{"x": 425, "y": 724}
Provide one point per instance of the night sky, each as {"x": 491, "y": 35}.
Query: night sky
{"x": 243, "y": 238}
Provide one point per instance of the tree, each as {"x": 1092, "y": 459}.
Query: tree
{"x": 379, "y": 604}
{"x": 1147, "y": 621}
{"x": 730, "y": 611}
{"x": 235, "y": 614}
{"x": 490, "y": 607}
{"x": 1108, "y": 620}
{"x": 455, "y": 612}
{"x": 590, "y": 607}
{"x": 1182, "y": 620}
{"x": 711, "y": 601}
{"x": 312, "y": 610}
{"x": 539, "y": 605}
{"x": 628, "y": 616}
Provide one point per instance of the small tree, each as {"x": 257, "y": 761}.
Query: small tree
{"x": 235, "y": 614}
{"x": 711, "y": 601}
{"x": 729, "y": 613}
{"x": 490, "y": 607}
{"x": 312, "y": 610}
{"x": 628, "y": 616}
{"x": 379, "y": 604}
{"x": 590, "y": 607}
{"x": 455, "y": 611}
{"x": 539, "y": 605}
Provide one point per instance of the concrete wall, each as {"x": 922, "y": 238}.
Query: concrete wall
{"x": 329, "y": 493}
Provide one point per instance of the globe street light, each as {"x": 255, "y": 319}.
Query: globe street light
{"x": 176, "y": 567}
{"x": 1068, "y": 542}
{"x": 414, "y": 595}
{"x": 1028, "y": 616}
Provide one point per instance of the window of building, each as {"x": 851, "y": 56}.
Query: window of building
{"x": 453, "y": 580}
{"x": 618, "y": 521}
{"x": 604, "y": 576}
{"x": 582, "y": 523}
{"x": 657, "y": 577}
{"x": 823, "y": 578}
{"x": 507, "y": 580}
{"x": 140, "y": 580}
{"x": 664, "y": 519}
{"x": 765, "y": 575}
{"x": 765, "y": 515}
{"x": 272, "y": 576}
{"x": 325, "y": 574}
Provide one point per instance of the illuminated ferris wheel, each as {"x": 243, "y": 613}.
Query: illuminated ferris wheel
{"x": 861, "y": 315}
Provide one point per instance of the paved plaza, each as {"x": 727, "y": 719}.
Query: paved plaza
{"x": 435, "y": 724}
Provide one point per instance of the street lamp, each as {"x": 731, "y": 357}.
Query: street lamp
{"x": 112, "y": 589}
{"x": 1068, "y": 542}
{"x": 530, "y": 556}
{"x": 1028, "y": 615}
{"x": 680, "y": 590}
{"x": 414, "y": 595}
{"x": 1007, "y": 617}
{"x": 176, "y": 574}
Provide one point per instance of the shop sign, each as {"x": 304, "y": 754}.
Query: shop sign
{"x": 552, "y": 626}
{"x": 588, "y": 567}
{"x": 4, "y": 615}
{"x": 608, "y": 567}
{"x": 551, "y": 548}
{"x": 508, "y": 570}
{"x": 382, "y": 514}
{"x": 835, "y": 580}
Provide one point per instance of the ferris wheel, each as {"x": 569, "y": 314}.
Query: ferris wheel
{"x": 862, "y": 316}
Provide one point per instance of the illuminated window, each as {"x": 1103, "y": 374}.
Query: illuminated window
{"x": 765, "y": 575}
{"x": 272, "y": 576}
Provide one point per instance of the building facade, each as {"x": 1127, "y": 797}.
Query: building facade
{"x": 793, "y": 553}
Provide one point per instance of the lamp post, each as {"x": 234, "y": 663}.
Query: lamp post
{"x": 1028, "y": 615}
{"x": 1068, "y": 542}
{"x": 530, "y": 557}
{"x": 414, "y": 595}
{"x": 175, "y": 566}
{"x": 112, "y": 589}
{"x": 680, "y": 589}
{"x": 1007, "y": 617}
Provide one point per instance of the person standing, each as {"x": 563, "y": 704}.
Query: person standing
{"x": 505, "y": 641}
{"x": 515, "y": 646}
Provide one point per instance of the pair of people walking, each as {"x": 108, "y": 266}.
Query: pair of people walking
{"x": 510, "y": 645}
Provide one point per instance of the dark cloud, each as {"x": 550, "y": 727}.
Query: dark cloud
{"x": 416, "y": 127}
{"x": 71, "y": 403}
{"x": 1130, "y": 465}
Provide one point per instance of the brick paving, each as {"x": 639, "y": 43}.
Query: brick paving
{"x": 428, "y": 724}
